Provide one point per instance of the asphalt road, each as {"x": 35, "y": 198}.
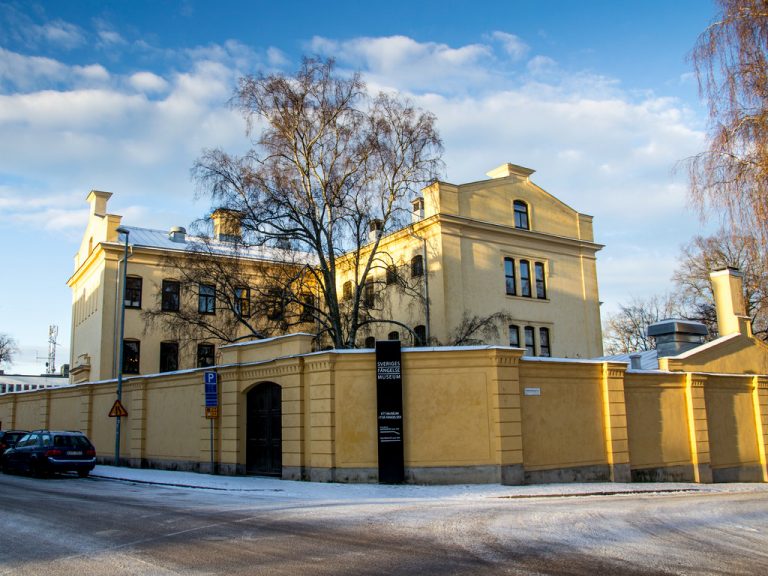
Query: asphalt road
{"x": 65, "y": 525}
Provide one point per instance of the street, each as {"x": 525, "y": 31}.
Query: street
{"x": 66, "y": 525}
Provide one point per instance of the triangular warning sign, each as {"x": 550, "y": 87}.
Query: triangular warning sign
{"x": 118, "y": 410}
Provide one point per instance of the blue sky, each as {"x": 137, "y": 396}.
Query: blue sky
{"x": 596, "y": 96}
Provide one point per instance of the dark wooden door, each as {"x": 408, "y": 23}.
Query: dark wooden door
{"x": 264, "y": 452}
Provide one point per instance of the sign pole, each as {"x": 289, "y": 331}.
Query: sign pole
{"x": 213, "y": 468}
{"x": 121, "y": 344}
{"x": 211, "y": 382}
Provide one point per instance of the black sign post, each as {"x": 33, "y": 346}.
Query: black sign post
{"x": 389, "y": 403}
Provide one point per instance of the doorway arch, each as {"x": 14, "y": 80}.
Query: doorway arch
{"x": 264, "y": 430}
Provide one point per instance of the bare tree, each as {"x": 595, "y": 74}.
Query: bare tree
{"x": 8, "y": 349}
{"x": 212, "y": 292}
{"x": 329, "y": 164}
{"x": 731, "y": 62}
{"x": 626, "y": 331}
{"x": 478, "y": 329}
{"x": 704, "y": 255}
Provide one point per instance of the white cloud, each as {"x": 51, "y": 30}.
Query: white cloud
{"x": 541, "y": 65}
{"x": 94, "y": 72}
{"x": 602, "y": 150}
{"x": 402, "y": 63}
{"x": 61, "y": 33}
{"x": 148, "y": 82}
{"x": 111, "y": 38}
{"x": 513, "y": 45}
{"x": 26, "y": 72}
{"x": 276, "y": 58}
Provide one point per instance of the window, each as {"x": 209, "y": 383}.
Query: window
{"x": 170, "y": 297}
{"x": 525, "y": 278}
{"x": 544, "y": 342}
{"x": 393, "y": 336}
{"x": 347, "y": 290}
{"x": 514, "y": 336}
{"x": 131, "y": 356}
{"x": 530, "y": 341}
{"x": 370, "y": 342}
{"x": 206, "y": 355}
{"x": 541, "y": 286}
{"x": 369, "y": 295}
{"x": 307, "y": 308}
{"x": 417, "y": 266}
{"x": 521, "y": 215}
{"x": 133, "y": 292}
{"x": 421, "y": 335}
{"x": 391, "y": 277}
{"x": 509, "y": 276}
{"x": 275, "y": 304}
{"x": 206, "y": 300}
{"x": 169, "y": 356}
{"x": 242, "y": 303}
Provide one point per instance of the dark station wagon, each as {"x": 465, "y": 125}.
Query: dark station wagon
{"x": 44, "y": 452}
{"x": 8, "y": 439}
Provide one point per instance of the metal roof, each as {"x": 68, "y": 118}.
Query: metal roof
{"x": 160, "y": 239}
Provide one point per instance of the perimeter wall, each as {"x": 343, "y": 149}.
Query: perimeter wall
{"x": 476, "y": 414}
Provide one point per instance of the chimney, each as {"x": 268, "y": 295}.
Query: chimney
{"x": 98, "y": 201}
{"x": 227, "y": 225}
{"x": 728, "y": 290}
{"x": 674, "y": 337}
{"x": 510, "y": 170}
{"x": 418, "y": 209}
{"x": 178, "y": 234}
{"x": 375, "y": 227}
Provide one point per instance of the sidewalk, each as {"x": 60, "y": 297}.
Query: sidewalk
{"x": 337, "y": 491}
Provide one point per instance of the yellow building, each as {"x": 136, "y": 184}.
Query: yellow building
{"x": 501, "y": 249}
{"x": 482, "y": 413}
{"x": 504, "y": 247}
{"x": 469, "y": 413}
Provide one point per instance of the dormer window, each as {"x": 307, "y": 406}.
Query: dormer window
{"x": 521, "y": 215}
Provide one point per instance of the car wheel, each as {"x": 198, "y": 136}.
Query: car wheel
{"x": 39, "y": 470}
{"x": 83, "y": 473}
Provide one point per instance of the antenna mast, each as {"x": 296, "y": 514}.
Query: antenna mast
{"x": 53, "y": 334}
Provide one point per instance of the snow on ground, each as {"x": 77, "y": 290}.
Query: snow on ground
{"x": 379, "y": 492}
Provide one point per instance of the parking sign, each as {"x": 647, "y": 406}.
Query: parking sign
{"x": 211, "y": 381}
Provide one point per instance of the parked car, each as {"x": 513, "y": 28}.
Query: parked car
{"x": 43, "y": 452}
{"x": 8, "y": 439}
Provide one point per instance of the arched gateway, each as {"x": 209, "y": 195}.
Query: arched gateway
{"x": 264, "y": 430}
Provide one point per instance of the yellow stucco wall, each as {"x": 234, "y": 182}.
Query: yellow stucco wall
{"x": 656, "y": 419}
{"x": 562, "y": 415}
{"x": 731, "y": 422}
{"x": 473, "y": 409}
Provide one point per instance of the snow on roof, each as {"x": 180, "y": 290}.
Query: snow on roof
{"x": 649, "y": 359}
{"x": 151, "y": 238}
{"x": 708, "y": 345}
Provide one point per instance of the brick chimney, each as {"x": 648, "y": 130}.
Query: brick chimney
{"x": 728, "y": 289}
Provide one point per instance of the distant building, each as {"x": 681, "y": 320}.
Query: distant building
{"x": 22, "y": 383}
{"x": 500, "y": 246}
